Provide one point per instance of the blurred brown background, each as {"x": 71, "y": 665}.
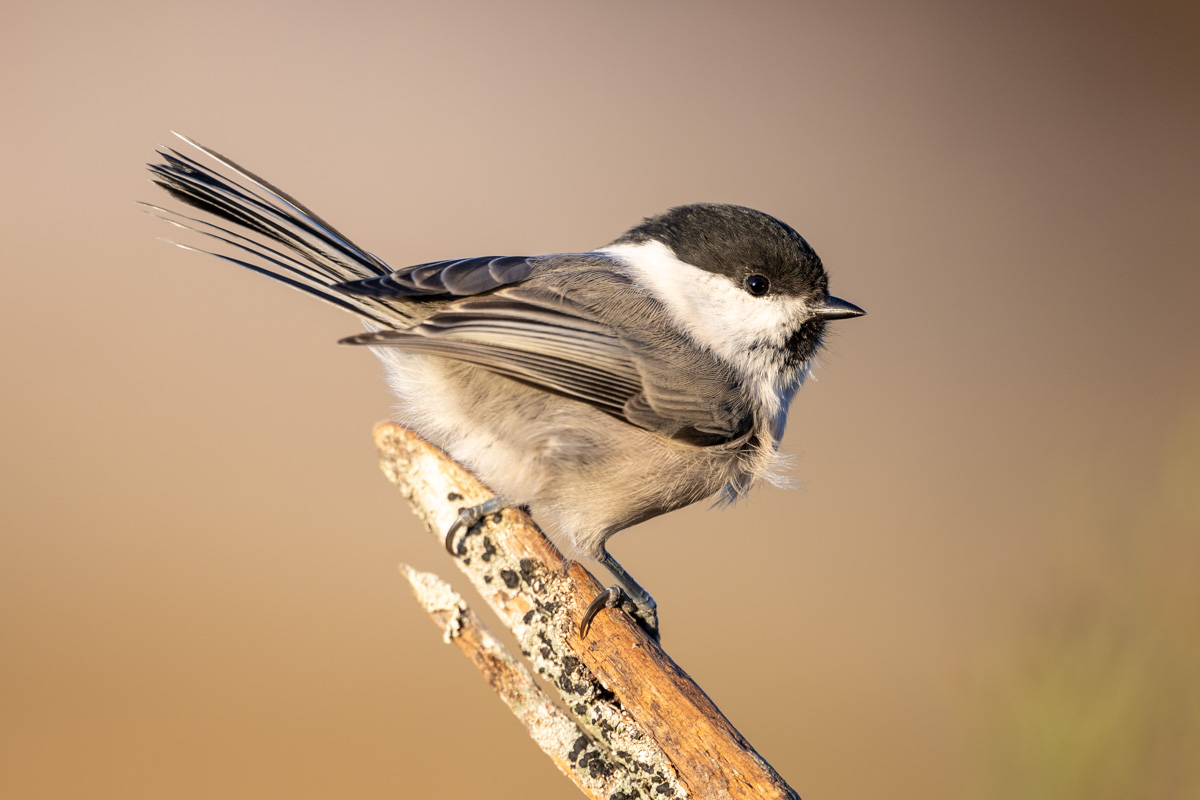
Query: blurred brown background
{"x": 986, "y": 586}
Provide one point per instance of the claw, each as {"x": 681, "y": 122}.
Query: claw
{"x": 462, "y": 522}
{"x": 611, "y": 597}
{"x": 467, "y": 519}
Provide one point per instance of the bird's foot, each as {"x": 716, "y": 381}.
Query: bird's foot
{"x": 468, "y": 518}
{"x": 644, "y": 611}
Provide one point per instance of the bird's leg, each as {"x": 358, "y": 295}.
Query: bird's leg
{"x": 468, "y": 517}
{"x": 629, "y": 595}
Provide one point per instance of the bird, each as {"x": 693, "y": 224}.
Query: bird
{"x": 598, "y": 388}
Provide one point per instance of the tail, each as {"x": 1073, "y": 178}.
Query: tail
{"x": 291, "y": 244}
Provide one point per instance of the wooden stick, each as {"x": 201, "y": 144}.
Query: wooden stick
{"x": 644, "y": 724}
{"x": 550, "y": 727}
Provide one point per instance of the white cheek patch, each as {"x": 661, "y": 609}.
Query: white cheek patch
{"x": 746, "y": 332}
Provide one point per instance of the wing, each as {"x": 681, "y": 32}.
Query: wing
{"x": 457, "y": 277}
{"x": 539, "y": 340}
{"x": 561, "y": 346}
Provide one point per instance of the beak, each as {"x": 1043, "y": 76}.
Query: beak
{"x": 836, "y": 308}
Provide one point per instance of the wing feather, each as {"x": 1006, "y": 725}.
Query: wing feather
{"x": 459, "y": 277}
{"x": 550, "y": 343}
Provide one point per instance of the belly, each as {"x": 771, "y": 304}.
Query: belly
{"x": 582, "y": 472}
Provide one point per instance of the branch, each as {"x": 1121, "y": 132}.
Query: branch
{"x": 642, "y": 727}
{"x": 551, "y": 728}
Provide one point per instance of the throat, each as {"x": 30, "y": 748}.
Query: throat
{"x": 772, "y": 377}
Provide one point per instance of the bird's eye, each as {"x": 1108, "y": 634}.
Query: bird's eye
{"x": 757, "y": 285}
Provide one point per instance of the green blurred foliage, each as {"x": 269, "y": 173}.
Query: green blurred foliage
{"x": 1103, "y": 698}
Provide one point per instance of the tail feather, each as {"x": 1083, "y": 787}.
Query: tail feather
{"x": 379, "y": 267}
{"x": 292, "y": 244}
{"x": 278, "y": 261}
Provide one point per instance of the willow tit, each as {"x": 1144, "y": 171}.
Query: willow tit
{"x": 599, "y": 388}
